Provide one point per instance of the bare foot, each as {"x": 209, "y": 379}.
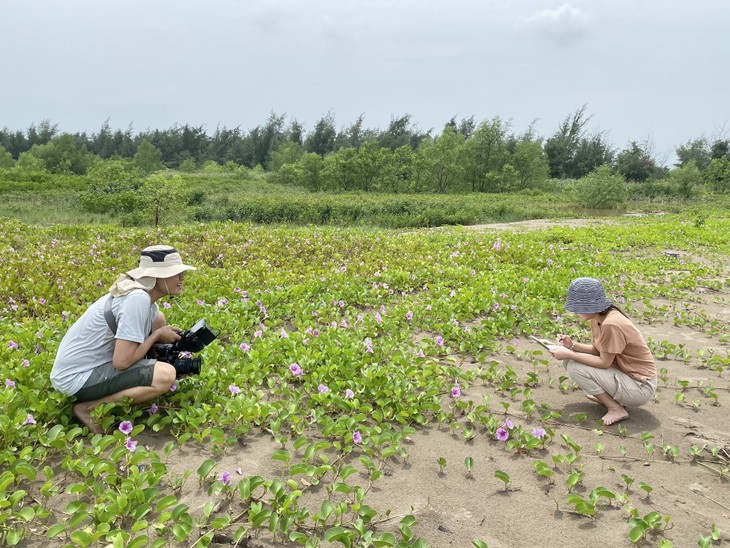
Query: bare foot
{"x": 615, "y": 415}
{"x": 83, "y": 413}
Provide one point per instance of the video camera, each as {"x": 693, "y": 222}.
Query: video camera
{"x": 179, "y": 353}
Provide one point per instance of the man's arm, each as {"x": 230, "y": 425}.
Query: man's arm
{"x": 127, "y": 353}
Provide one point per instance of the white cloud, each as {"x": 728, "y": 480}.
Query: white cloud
{"x": 564, "y": 25}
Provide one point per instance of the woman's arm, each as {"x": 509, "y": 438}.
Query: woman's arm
{"x": 597, "y": 360}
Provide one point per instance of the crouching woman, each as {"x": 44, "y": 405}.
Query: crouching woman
{"x": 616, "y": 369}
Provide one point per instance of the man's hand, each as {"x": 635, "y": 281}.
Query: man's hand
{"x": 168, "y": 334}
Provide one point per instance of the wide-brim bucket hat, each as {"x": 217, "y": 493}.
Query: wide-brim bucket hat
{"x": 159, "y": 261}
{"x": 586, "y": 296}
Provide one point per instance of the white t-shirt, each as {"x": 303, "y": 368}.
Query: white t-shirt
{"x": 89, "y": 342}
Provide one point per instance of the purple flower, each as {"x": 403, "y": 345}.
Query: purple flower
{"x": 223, "y": 302}
{"x": 323, "y": 389}
{"x": 12, "y": 345}
{"x": 258, "y": 334}
{"x": 234, "y": 389}
{"x": 154, "y": 408}
{"x": 502, "y": 434}
{"x": 378, "y": 318}
{"x": 42, "y": 300}
{"x": 508, "y": 424}
{"x": 173, "y": 387}
{"x": 455, "y": 391}
{"x": 125, "y": 427}
{"x": 357, "y": 437}
{"x": 538, "y": 432}
{"x": 349, "y": 394}
{"x": 440, "y": 340}
{"x": 296, "y": 370}
{"x": 284, "y": 334}
{"x": 409, "y": 315}
{"x": 244, "y": 347}
{"x": 29, "y": 419}
{"x": 497, "y": 245}
{"x": 9, "y": 383}
{"x": 166, "y": 305}
{"x": 226, "y": 478}
{"x": 130, "y": 444}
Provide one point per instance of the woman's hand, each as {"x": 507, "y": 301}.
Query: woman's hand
{"x": 560, "y": 352}
{"x": 564, "y": 340}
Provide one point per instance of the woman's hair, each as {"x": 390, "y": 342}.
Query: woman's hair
{"x": 613, "y": 307}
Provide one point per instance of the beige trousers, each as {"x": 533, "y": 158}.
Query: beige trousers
{"x": 613, "y": 382}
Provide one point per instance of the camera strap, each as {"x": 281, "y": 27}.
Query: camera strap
{"x": 111, "y": 321}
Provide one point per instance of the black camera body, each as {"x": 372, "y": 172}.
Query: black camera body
{"x": 179, "y": 353}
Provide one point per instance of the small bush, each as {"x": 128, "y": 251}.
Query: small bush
{"x": 602, "y": 189}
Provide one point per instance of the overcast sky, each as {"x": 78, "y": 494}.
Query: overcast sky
{"x": 656, "y": 70}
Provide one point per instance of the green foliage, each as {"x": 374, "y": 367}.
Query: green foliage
{"x": 6, "y": 159}
{"x": 161, "y": 196}
{"x": 321, "y": 298}
{"x": 64, "y": 155}
{"x": 148, "y": 157}
{"x": 717, "y": 175}
{"x": 636, "y": 163}
{"x": 602, "y": 189}
{"x": 686, "y": 179}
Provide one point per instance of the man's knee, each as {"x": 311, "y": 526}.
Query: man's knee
{"x": 164, "y": 376}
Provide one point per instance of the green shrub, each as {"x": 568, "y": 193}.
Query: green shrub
{"x": 602, "y": 189}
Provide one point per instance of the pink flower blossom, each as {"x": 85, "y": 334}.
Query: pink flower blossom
{"x": 357, "y": 437}
{"x": 258, "y": 334}
{"x": 233, "y": 389}
{"x": 455, "y": 391}
{"x": 244, "y": 347}
{"x": 130, "y": 444}
{"x": 296, "y": 370}
{"x": 502, "y": 434}
{"x": 508, "y": 424}
{"x": 29, "y": 419}
{"x": 226, "y": 478}
{"x": 497, "y": 245}
{"x": 349, "y": 394}
{"x": 409, "y": 315}
{"x": 154, "y": 408}
{"x": 125, "y": 427}
{"x": 378, "y": 317}
{"x": 440, "y": 340}
{"x": 12, "y": 345}
{"x": 284, "y": 334}
{"x": 323, "y": 389}
{"x": 25, "y": 363}
{"x": 539, "y": 433}
{"x": 9, "y": 383}
{"x": 166, "y": 305}
{"x": 173, "y": 387}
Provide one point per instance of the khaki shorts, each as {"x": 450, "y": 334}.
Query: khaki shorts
{"x": 107, "y": 379}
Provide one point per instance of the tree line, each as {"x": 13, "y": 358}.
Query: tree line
{"x": 465, "y": 156}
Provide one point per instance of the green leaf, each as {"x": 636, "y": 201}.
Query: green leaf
{"x": 637, "y": 532}
{"x": 205, "y": 468}
{"x": 281, "y": 455}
